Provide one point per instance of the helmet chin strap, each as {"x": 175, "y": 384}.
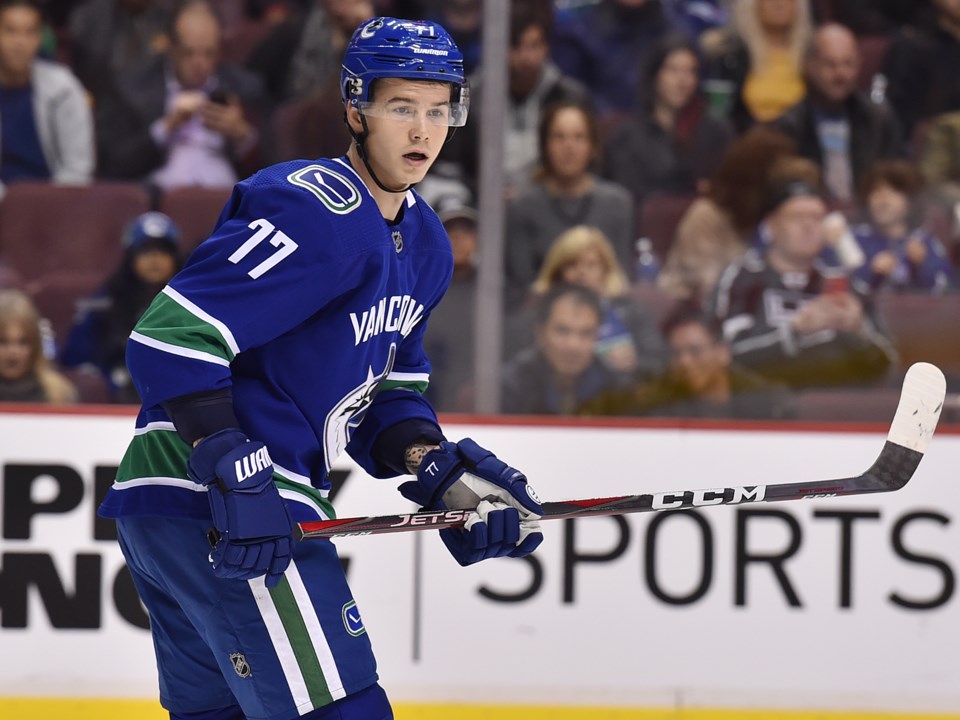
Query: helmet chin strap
{"x": 359, "y": 139}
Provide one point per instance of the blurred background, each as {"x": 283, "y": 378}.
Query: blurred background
{"x": 718, "y": 218}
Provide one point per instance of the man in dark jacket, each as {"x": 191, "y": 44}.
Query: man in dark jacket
{"x": 835, "y": 125}
{"x": 561, "y": 372}
{"x": 182, "y": 119}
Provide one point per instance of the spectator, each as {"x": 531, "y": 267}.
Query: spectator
{"x": 25, "y": 373}
{"x": 701, "y": 381}
{"x": 758, "y": 59}
{"x": 561, "y": 371}
{"x": 604, "y": 46}
{"x": 627, "y": 341}
{"x": 463, "y": 20}
{"x": 534, "y": 83}
{"x": 109, "y": 36}
{"x": 565, "y": 193}
{"x": 719, "y": 226}
{"x": 672, "y": 145}
{"x": 835, "y": 125}
{"x": 694, "y": 17}
{"x": 788, "y": 318}
{"x": 302, "y": 55}
{"x": 877, "y": 17}
{"x": 47, "y": 129}
{"x": 920, "y": 68}
{"x": 99, "y": 336}
{"x": 448, "y": 341}
{"x": 840, "y": 249}
{"x": 899, "y": 253}
{"x": 181, "y": 119}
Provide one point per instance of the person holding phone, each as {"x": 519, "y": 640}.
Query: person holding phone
{"x": 182, "y": 120}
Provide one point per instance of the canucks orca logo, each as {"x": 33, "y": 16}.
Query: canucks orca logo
{"x": 334, "y": 190}
{"x": 347, "y": 414}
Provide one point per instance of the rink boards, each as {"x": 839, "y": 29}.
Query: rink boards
{"x": 792, "y": 609}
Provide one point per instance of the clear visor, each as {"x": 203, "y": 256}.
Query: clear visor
{"x": 449, "y": 114}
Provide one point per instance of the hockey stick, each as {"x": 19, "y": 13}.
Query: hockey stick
{"x": 921, "y": 400}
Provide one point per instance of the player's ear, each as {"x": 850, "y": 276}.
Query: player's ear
{"x": 353, "y": 119}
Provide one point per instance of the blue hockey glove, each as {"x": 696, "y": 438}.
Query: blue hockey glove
{"x": 253, "y": 531}
{"x": 463, "y": 475}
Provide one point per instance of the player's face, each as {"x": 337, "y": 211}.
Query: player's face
{"x": 697, "y": 360}
{"x": 20, "y": 40}
{"x": 403, "y": 142}
{"x": 796, "y": 229}
{"x": 887, "y": 205}
{"x": 677, "y": 80}
{"x": 568, "y": 338}
{"x": 569, "y": 147}
{"x": 587, "y": 269}
{"x": 15, "y": 353}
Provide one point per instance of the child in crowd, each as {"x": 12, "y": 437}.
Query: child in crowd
{"x": 899, "y": 252}
{"x": 99, "y": 336}
{"x": 25, "y": 372}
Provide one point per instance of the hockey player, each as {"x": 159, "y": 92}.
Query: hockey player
{"x": 293, "y": 334}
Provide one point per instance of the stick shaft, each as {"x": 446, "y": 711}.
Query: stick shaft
{"x": 914, "y": 423}
{"x": 878, "y": 479}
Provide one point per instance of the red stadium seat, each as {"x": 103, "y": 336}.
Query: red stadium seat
{"x": 848, "y": 405}
{"x": 310, "y": 127}
{"x": 658, "y": 217}
{"x": 91, "y": 386}
{"x": 195, "y": 210}
{"x": 873, "y": 50}
{"x": 56, "y": 297}
{"x": 48, "y": 229}
{"x": 924, "y": 328}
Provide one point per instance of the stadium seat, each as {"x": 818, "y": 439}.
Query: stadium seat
{"x": 48, "y": 229}
{"x": 91, "y": 386}
{"x": 873, "y": 50}
{"x": 658, "y": 217}
{"x": 309, "y": 127}
{"x": 924, "y": 328}
{"x": 56, "y": 296}
{"x": 241, "y": 37}
{"x": 848, "y": 405}
{"x": 654, "y": 300}
{"x": 195, "y": 210}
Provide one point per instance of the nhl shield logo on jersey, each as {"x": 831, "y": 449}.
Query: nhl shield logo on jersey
{"x": 397, "y": 240}
{"x": 240, "y": 665}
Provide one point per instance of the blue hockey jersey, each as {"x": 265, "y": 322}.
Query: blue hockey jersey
{"x": 312, "y": 308}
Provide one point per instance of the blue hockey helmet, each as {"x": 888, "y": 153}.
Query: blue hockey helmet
{"x": 411, "y": 49}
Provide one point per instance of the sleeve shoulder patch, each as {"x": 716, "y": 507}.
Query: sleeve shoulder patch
{"x": 335, "y": 190}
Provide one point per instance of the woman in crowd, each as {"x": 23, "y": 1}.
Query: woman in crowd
{"x": 718, "y": 227}
{"x": 673, "y": 144}
{"x": 99, "y": 337}
{"x": 758, "y": 61}
{"x": 565, "y": 193}
{"x": 25, "y": 373}
{"x": 899, "y": 252}
{"x": 628, "y": 341}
